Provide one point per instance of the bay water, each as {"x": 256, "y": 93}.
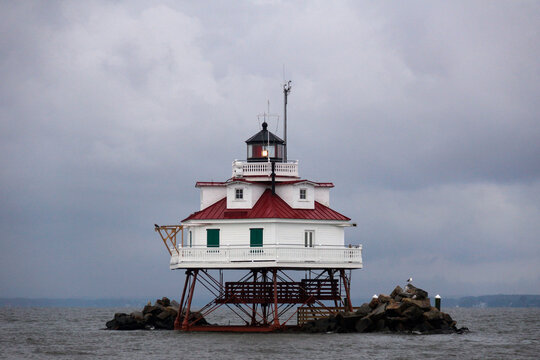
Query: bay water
{"x": 78, "y": 333}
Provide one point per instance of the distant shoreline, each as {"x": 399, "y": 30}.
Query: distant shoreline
{"x": 484, "y": 301}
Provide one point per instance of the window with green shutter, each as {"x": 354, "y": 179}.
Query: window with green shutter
{"x": 256, "y": 237}
{"x": 212, "y": 237}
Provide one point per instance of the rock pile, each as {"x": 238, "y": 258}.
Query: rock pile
{"x": 161, "y": 315}
{"x": 406, "y": 310}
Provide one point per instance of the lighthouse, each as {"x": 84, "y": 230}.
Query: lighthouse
{"x": 274, "y": 228}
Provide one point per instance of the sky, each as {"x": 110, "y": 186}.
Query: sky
{"x": 424, "y": 114}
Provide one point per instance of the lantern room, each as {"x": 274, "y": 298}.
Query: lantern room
{"x": 265, "y": 146}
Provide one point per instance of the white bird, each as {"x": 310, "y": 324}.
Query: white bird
{"x": 409, "y": 280}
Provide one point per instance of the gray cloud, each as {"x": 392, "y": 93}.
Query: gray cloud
{"x": 424, "y": 116}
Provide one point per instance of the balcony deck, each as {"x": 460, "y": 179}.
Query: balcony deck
{"x": 290, "y": 257}
{"x": 244, "y": 168}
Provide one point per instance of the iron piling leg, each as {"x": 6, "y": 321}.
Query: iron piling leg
{"x": 276, "y": 316}
{"x": 185, "y": 323}
{"x": 346, "y": 285}
{"x": 177, "y": 324}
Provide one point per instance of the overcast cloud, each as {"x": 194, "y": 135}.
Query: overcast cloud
{"x": 423, "y": 114}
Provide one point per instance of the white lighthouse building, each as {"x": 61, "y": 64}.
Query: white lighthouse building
{"x": 267, "y": 220}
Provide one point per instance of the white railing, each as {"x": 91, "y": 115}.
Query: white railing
{"x": 243, "y": 168}
{"x": 277, "y": 254}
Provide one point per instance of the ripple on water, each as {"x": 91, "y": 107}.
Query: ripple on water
{"x": 77, "y": 333}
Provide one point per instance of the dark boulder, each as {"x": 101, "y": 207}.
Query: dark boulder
{"x": 161, "y": 315}
{"x": 423, "y": 304}
{"x": 123, "y": 321}
{"x": 398, "y": 290}
{"x": 416, "y": 293}
{"x": 374, "y": 303}
{"x": 413, "y": 314}
{"x": 402, "y": 311}
{"x": 363, "y": 324}
{"x": 384, "y": 299}
{"x": 363, "y": 310}
{"x": 165, "y": 301}
{"x": 378, "y": 312}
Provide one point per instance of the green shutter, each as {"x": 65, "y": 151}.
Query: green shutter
{"x": 256, "y": 237}
{"x": 212, "y": 237}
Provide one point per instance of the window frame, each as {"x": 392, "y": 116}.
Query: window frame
{"x": 238, "y": 191}
{"x": 309, "y": 238}
{"x": 303, "y": 191}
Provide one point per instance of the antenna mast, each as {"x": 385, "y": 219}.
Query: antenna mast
{"x": 286, "y": 91}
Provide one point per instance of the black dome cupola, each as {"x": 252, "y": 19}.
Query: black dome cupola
{"x": 264, "y": 146}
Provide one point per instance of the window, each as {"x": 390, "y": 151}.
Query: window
{"x": 239, "y": 194}
{"x": 308, "y": 238}
{"x": 256, "y": 237}
{"x": 212, "y": 237}
{"x": 190, "y": 238}
{"x": 256, "y": 151}
{"x": 303, "y": 195}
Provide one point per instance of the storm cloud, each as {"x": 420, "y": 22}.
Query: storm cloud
{"x": 423, "y": 114}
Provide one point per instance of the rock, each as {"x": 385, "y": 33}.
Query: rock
{"x": 363, "y": 324}
{"x": 363, "y": 310}
{"x": 396, "y": 323}
{"x": 413, "y": 314}
{"x": 137, "y": 315}
{"x": 161, "y": 315}
{"x": 323, "y": 325}
{"x": 378, "y": 312}
{"x": 402, "y": 311}
{"x": 433, "y": 315}
{"x": 416, "y": 293}
{"x": 123, "y": 321}
{"x": 165, "y": 301}
{"x": 153, "y": 309}
{"x": 397, "y": 290}
{"x": 347, "y": 322}
{"x": 397, "y": 308}
{"x": 164, "y": 315}
{"x": 374, "y": 303}
{"x": 423, "y": 327}
{"x": 380, "y": 325}
{"x": 172, "y": 310}
{"x": 195, "y": 316}
{"x": 149, "y": 318}
{"x": 446, "y": 317}
{"x": 423, "y": 304}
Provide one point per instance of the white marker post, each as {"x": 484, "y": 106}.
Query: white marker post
{"x": 438, "y": 302}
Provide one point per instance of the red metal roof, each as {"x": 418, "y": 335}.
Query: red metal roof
{"x": 269, "y": 206}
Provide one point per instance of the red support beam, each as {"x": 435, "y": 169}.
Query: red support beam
{"x": 348, "y": 306}
{"x": 177, "y": 324}
{"x": 185, "y": 323}
{"x": 276, "y": 316}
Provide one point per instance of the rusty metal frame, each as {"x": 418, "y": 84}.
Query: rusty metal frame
{"x": 258, "y": 315}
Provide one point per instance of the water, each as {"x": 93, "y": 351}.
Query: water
{"x": 43, "y": 333}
